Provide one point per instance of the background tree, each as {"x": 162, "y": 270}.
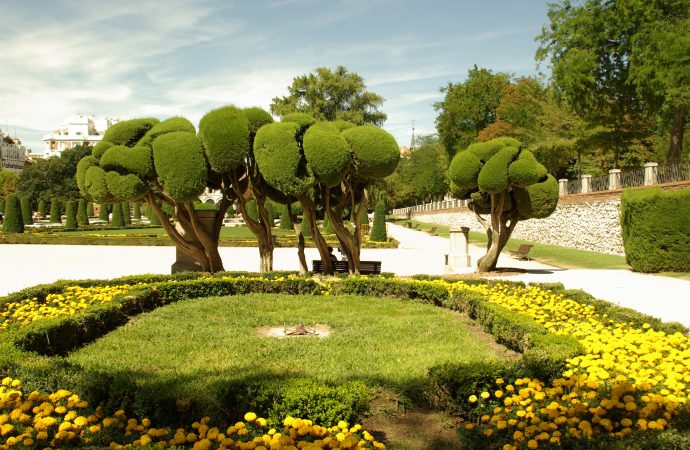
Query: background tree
{"x": 505, "y": 182}
{"x": 13, "y": 216}
{"x": 621, "y": 65}
{"x": 423, "y": 175}
{"x": 8, "y": 182}
{"x": 89, "y": 210}
{"x": 82, "y": 217}
{"x": 469, "y": 107}
{"x": 71, "y": 215}
{"x": 25, "y": 204}
{"x": 331, "y": 95}
{"x": 53, "y": 177}
{"x": 55, "y": 214}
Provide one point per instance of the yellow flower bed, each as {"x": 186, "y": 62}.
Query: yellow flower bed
{"x": 629, "y": 379}
{"x": 72, "y": 300}
{"x": 62, "y": 419}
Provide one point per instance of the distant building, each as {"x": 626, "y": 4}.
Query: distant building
{"x": 12, "y": 153}
{"x": 76, "y": 130}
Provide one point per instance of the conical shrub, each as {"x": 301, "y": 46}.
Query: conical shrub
{"x": 327, "y": 225}
{"x": 304, "y": 226}
{"x": 42, "y": 209}
{"x": 285, "y": 220}
{"x": 82, "y": 217}
{"x": 118, "y": 219}
{"x": 126, "y": 213}
{"x": 55, "y": 211}
{"x": 89, "y": 210}
{"x": 103, "y": 212}
{"x": 270, "y": 209}
{"x": 13, "y": 216}
{"x": 71, "y": 215}
{"x": 153, "y": 218}
{"x": 25, "y": 204}
{"x": 137, "y": 211}
{"x": 378, "y": 229}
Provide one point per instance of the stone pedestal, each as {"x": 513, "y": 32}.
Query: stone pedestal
{"x": 651, "y": 170}
{"x": 183, "y": 262}
{"x": 459, "y": 255}
{"x": 614, "y": 179}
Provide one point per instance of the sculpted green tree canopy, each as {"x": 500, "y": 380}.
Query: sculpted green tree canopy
{"x": 506, "y": 182}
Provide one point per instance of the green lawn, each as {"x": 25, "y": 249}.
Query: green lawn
{"x": 208, "y": 350}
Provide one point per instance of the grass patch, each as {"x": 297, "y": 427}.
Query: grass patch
{"x": 207, "y": 351}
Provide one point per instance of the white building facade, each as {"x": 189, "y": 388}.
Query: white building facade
{"x": 13, "y": 154}
{"x": 81, "y": 129}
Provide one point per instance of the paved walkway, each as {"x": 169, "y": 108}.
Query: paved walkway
{"x": 27, "y": 265}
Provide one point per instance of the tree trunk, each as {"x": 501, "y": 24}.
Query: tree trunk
{"x": 350, "y": 243}
{"x": 677, "y": 130}
{"x": 319, "y": 241}
{"x": 303, "y": 268}
{"x": 261, "y": 229}
{"x": 499, "y": 231}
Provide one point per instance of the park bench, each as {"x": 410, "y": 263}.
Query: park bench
{"x": 365, "y": 267}
{"x": 522, "y": 251}
{"x": 433, "y": 231}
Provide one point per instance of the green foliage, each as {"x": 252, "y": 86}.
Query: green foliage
{"x": 257, "y": 118}
{"x": 304, "y": 227}
{"x": 323, "y": 403}
{"x": 486, "y": 150}
{"x": 280, "y": 160}
{"x": 327, "y": 152}
{"x": 656, "y": 229}
{"x": 13, "y": 216}
{"x": 128, "y": 132}
{"x": 8, "y": 183}
{"x": 103, "y": 212}
{"x": 285, "y": 219}
{"x": 2, "y": 204}
{"x": 25, "y": 205}
{"x": 137, "y": 211}
{"x": 525, "y": 170}
{"x": 331, "y": 95}
{"x": 100, "y": 148}
{"x": 118, "y": 219}
{"x": 55, "y": 213}
{"x": 71, "y": 213}
{"x": 180, "y": 164}
{"x": 302, "y": 120}
{"x": 167, "y": 126}
{"x": 378, "y": 229}
{"x": 493, "y": 177}
{"x": 270, "y": 210}
{"x": 137, "y": 160}
{"x": 89, "y": 209}
{"x": 126, "y": 213}
{"x": 82, "y": 216}
{"x": 327, "y": 225}
{"x": 421, "y": 176}
{"x": 42, "y": 209}
{"x": 469, "y": 107}
{"x": 224, "y": 133}
{"x": 464, "y": 170}
{"x": 124, "y": 186}
{"x": 95, "y": 184}
{"x": 252, "y": 209}
{"x": 82, "y": 166}
{"x": 538, "y": 200}
{"x": 153, "y": 218}
{"x": 376, "y": 152}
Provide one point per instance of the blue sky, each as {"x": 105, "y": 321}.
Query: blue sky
{"x": 184, "y": 57}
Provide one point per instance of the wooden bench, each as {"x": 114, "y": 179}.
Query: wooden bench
{"x": 522, "y": 251}
{"x": 365, "y": 267}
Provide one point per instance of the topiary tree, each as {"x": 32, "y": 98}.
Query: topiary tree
{"x": 126, "y": 213}
{"x": 118, "y": 219}
{"x": 327, "y": 226}
{"x": 55, "y": 211}
{"x": 82, "y": 217}
{"x": 103, "y": 212}
{"x": 25, "y": 205}
{"x": 378, "y": 229}
{"x": 71, "y": 215}
{"x": 285, "y": 219}
{"x": 42, "y": 209}
{"x": 13, "y": 216}
{"x": 506, "y": 183}
{"x": 137, "y": 211}
{"x": 89, "y": 209}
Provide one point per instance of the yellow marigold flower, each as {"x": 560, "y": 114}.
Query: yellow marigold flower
{"x": 498, "y": 394}
{"x": 473, "y": 398}
{"x": 532, "y": 443}
{"x": 485, "y": 395}
{"x": 250, "y": 417}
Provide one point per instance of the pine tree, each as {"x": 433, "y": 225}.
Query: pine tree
{"x": 13, "y": 216}
{"x": 82, "y": 217}
{"x": 378, "y": 229}
{"x": 42, "y": 209}
{"x": 55, "y": 211}
{"x": 71, "y": 213}
{"x": 25, "y": 204}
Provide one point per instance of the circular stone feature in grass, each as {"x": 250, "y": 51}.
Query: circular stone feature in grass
{"x": 301, "y": 330}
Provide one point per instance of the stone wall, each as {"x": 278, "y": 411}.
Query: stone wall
{"x": 591, "y": 226}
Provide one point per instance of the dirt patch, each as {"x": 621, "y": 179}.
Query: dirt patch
{"x": 316, "y": 330}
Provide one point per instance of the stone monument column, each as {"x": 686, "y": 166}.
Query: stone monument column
{"x": 459, "y": 255}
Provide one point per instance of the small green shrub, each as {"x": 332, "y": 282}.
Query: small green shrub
{"x": 71, "y": 215}
{"x": 42, "y": 209}
{"x": 378, "y": 229}
{"x": 118, "y": 219}
{"x": 82, "y": 216}
{"x": 252, "y": 210}
{"x": 285, "y": 220}
{"x": 55, "y": 214}
{"x": 126, "y": 213}
{"x": 137, "y": 211}
{"x": 304, "y": 227}
{"x": 103, "y": 212}
{"x": 89, "y": 210}
{"x": 13, "y": 216}
{"x": 656, "y": 229}
{"x": 25, "y": 204}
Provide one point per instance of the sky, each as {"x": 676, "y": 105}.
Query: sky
{"x": 160, "y": 59}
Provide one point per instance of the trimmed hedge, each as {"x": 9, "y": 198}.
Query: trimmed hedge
{"x": 82, "y": 216}
{"x": 13, "y": 216}
{"x": 118, "y": 219}
{"x": 285, "y": 220}
{"x": 656, "y": 229}
{"x": 103, "y": 212}
{"x": 378, "y": 229}
{"x": 137, "y": 160}
{"x": 180, "y": 164}
{"x": 126, "y": 133}
{"x": 25, "y": 205}
{"x": 55, "y": 214}
{"x": 71, "y": 213}
{"x": 42, "y": 209}
{"x": 327, "y": 152}
{"x": 376, "y": 152}
{"x": 126, "y": 213}
{"x": 89, "y": 210}
{"x": 225, "y": 136}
